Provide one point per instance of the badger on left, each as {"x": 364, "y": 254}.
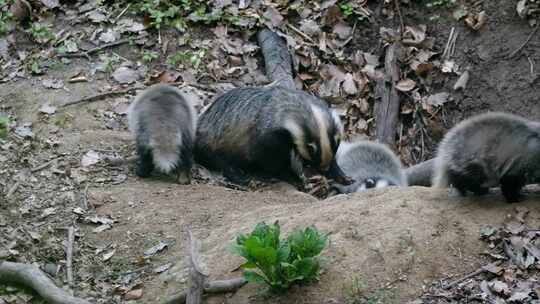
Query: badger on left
{"x": 163, "y": 122}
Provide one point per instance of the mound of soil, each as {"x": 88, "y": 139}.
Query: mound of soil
{"x": 397, "y": 240}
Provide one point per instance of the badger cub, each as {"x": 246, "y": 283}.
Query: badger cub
{"x": 269, "y": 131}
{"x": 489, "y": 150}
{"x": 163, "y": 123}
{"x": 371, "y": 165}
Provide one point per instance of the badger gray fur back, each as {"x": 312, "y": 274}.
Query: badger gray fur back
{"x": 489, "y": 150}
{"x": 163, "y": 123}
{"x": 371, "y": 165}
{"x": 269, "y": 130}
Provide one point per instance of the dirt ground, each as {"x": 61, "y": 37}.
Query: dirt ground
{"x": 394, "y": 241}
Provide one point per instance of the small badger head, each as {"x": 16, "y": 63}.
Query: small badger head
{"x": 370, "y": 183}
{"x": 316, "y": 139}
{"x": 363, "y": 185}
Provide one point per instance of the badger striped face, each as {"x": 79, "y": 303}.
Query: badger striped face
{"x": 317, "y": 143}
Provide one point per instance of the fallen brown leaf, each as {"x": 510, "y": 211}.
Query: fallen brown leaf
{"x": 405, "y": 85}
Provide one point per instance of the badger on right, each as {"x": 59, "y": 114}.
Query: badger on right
{"x": 489, "y": 150}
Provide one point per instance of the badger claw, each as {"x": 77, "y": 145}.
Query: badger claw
{"x": 335, "y": 173}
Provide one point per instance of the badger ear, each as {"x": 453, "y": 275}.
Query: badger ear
{"x": 535, "y": 126}
{"x": 337, "y": 121}
{"x": 370, "y": 183}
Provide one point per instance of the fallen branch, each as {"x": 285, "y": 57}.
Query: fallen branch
{"x": 470, "y": 275}
{"x": 277, "y": 59}
{"x": 420, "y": 174}
{"x": 69, "y": 255}
{"x": 196, "y": 274}
{"x": 13, "y": 188}
{"x": 400, "y": 16}
{"x": 43, "y": 166}
{"x": 525, "y": 42}
{"x": 119, "y": 161}
{"x": 85, "y": 197}
{"x": 211, "y": 287}
{"x": 450, "y": 45}
{"x": 100, "y": 96}
{"x": 387, "y": 109}
{"x": 101, "y": 47}
{"x": 32, "y": 277}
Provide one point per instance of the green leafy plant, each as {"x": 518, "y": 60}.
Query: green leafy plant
{"x": 149, "y": 56}
{"x": 5, "y": 16}
{"x": 41, "y": 33}
{"x": 280, "y": 263}
{"x": 347, "y": 9}
{"x": 439, "y": 3}
{"x": 192, "y": 58}
{"x": 172, "y": 13}
{"x": 34, "y": 66}
{"x": 108, "y": 62}
{"x": 353, "y": 10}
{"x": 4, "y": 126}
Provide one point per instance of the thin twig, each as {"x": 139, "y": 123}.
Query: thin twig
{"x": 13, "y": 188}
{"x": 525, "y": 42}
{"x": 450, "y": 44}
{"x": 401, "y": 24}
{"x": 43, "y": 166}
{"x": 100, "y": 96}
{"x": 85, "y": 197}
{"x": 102, "y": 47}
{"x": 299, "y": 32}
{"x": 472, "y": 274}
{"x": 531, "y": 63}
{"x": 122, "y": 13}
{"x": 69, "y": 255}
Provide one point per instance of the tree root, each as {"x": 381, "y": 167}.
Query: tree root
{"x": 32, "y": 277}
{"x": 209, "y": 288}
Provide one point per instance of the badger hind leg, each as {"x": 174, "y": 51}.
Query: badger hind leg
{"x": 458, "y": 181}
{"x": 236, "y": 175}
{"x": 215, "y": 161}
{"x": 145, "y": 163}
{"x": 511, "y": 188}
{"x": 476, "y": 177}
{"x": 184, "y": 165}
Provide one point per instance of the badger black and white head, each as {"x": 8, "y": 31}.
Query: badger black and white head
{"x": 489, "y": 150}
{"x": 163, "y": 122}
{"x": 371, "y": 165}
{"x": 271, "y": 131}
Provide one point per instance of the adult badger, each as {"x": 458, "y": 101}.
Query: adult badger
{"x": 163, "y": 123}
{"x": 271, "y": 131}
{"x": 489, "y": 150}
{"x": 370, "y": 164}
